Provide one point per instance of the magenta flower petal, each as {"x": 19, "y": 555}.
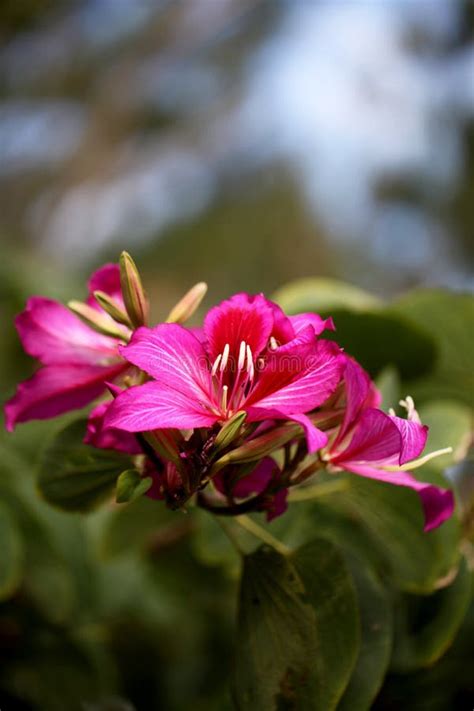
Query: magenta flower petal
{"x": 359, "y": 391}
{"x": 51, "y": 333}
{"x": 55, "y": 389}
{"x": 414, "y": 436}
{"x": 106, "y": 279}
{"x": 278, "y": 505}
{"x": 299, "y": 376}
{"x": 315, "y": 438}
{"x": 438, "y": 503}
{"x": 375, "y": 438}
{"x": 282, "y": 330}
{"x": 300, "y": 321}
{"x": 155, "y": 406}
{"x": 97, "y": 435}
{"x": 174, "y": 356}
{"x": 240, "y": 318}
{"x": 258, "y": 479}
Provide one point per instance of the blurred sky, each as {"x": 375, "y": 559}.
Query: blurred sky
{"x": 323, "y": 137}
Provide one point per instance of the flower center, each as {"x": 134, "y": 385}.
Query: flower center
{"x": 232, "y": 379}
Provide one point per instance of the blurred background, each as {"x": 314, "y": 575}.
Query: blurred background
{"x": 246, "y": 143}
{"x": 243, "y": 142}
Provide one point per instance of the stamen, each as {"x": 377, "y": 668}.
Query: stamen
{"x": 415, "y": 463}
{"x": 216, "y": 364}
{"x": 409, "y": 405}
{"x": 225, "y": 390}
{"x": 225, "y": 357}
{"x": 273, "y": 343}
{"x": 250, "y": 366}
{"x": 242, "y": 352}
{"x": 391, "y": 412}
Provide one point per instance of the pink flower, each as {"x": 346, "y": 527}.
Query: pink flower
{"x": 373, "y": 444}
{"x": 264, "y": 479}
{"x": 109, "y": 438}
{"x": 249, "y": 357}
{"x": 76, "y": 360}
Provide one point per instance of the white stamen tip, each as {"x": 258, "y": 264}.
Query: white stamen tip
{"x": 216, "y": 364}
{"x": 242, "y": 352}
{"x": 225, "y": 357}
{"x": 273, "y": 343}
{"x": 391, "y": 412}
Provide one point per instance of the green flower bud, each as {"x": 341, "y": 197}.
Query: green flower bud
{"x": 185, "y": 308}
{"x": 112, "y": 308}
{"x": 133, "y": 293}
{"x": 96, "y": 320}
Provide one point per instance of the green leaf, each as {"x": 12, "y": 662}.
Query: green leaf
{"x": 297, "y": 630}
{"x": 130, "y": 486}
{"x": 388, "y": 382}
{"x": 376, "y": 335}
{"x": 382, "y": 339}
{"x": 75, "y": 476}
{"x": 426, "y": 626}
{"x": 376, "y": 643}
{"x": 322, "y": 295}
{"x": 130, "y": 529}
{"x": 450, "y": 424}
{"x": 382, "y": 523}
{"x": 11, "y": 558}
{"x": 449, "y": 318}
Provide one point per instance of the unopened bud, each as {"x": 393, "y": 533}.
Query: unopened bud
{"x": 96, "y": 320}
{"x": 112, "y": 308}
{"x": 259, "y": 446}
{"x": 230, "y": 431}
{"x": 185, "y": 308}
{"x": 133, "y": 293}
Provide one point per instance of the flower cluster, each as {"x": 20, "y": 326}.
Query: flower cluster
{"x": 231, "y": 415}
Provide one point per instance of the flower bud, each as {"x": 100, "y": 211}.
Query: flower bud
{"x": 112, "y": 308}
{"x": 230, "y": 431}
{"x": 96, "y": 320}
{"x": 185, "y": 308}
{"x": 259, "y": 446}
{"x": 133, "y": 293}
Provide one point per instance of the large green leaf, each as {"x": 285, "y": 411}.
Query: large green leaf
{"x": 450, "y": 424}
{"x": 374, "y": 334}
{"x": 321, "y": 295}
{"x": 75, "y": 476}
{"x": 11, "y": 558}
{"x": 297, "y": 630}
{"x": 426, "y": 626}
{"x": 384, "y": 524}
{"x": 449, "y": 318}
{"x": 376, "y": 643}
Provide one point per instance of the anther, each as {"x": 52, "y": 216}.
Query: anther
{"x": 242, "y": 352}
{"x": 216, "y": 364}
{"x": 225, "y": 357}
{"x": 273, "y": 343}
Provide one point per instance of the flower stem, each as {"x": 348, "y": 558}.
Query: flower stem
{"x": 307, "y": 493}
{"x": 259, "y": 532}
